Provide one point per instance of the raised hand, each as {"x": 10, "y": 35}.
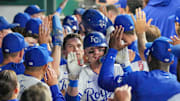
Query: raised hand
{"x": 51, "y": 77}
{"x": 140, "y": 22}
{"x": 175, "y": 40}
{"x": 116, "y": 39}
{"x": 44, "y": 31}
{"x": 73, "y": 66}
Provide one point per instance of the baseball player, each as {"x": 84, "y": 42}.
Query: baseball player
{"x": 72, "y": 22}
{"x": 72, "y": 43}
{"x": 13, "y": 51}
{"x": 159, "y": 59}
{"x": 86, "y": 87}
{"x": 37, "y": 61}
{"x": 4, "y": 30}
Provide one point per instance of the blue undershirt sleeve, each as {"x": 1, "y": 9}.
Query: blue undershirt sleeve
{"x": 56, "y": 94}
{"x": 72, "y": 98}
{"x": 106, "y": 78}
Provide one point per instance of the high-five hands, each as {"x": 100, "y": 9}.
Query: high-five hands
{"x": 116, "y": 39}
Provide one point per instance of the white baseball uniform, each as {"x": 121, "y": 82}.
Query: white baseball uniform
{"x": 88, "y": 85}
{"x": 26, "y": 81}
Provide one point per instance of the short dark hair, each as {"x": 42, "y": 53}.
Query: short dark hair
{"x": 133, "y": 4}
{"x": 8, "y": 83}
{"x": 132, "y": 32}
{"x": 112, "y": 8}
{"x": 36, "y": 92}
{"x": 24, "y": 32}
{"x": 7, "y": 55}
{"x": 28, "y": 68}
{"x": 155, "y": 63}
{"x": 70, "y": 36}
{"x": 19, "y": 30}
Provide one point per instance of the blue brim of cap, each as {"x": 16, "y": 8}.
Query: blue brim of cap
{"x": 176, "y": 50}
{"x": 11, "y": 26}
{"x": 26, "y": 44}
{"x": 42, "y": 10}
{"x": 148, "y": 44}
{"x": 50, "y": 59}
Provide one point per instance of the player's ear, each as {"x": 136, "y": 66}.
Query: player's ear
{"x": 45, "y": 67}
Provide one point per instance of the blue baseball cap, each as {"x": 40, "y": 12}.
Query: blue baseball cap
{"x": 4, "y": 24}
{"x": 21, "y": 19}
{"x": 79, "y": 11}
{"x": 126, "y": 21}
{"x": 159, "y": 49}
{"x": 13, "y": 42}
{"x": 176, "y": 16}
{"x": 121, "y": 3}
{"x": 32, "y": 26}
{"x": 37, "y": 56}
{"x": 33, "y": 9}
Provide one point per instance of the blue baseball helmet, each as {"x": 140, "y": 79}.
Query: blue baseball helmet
{"x": 72, "y": 22}
{"x": 94, "y": 20}
{"x": 95, "y": 39}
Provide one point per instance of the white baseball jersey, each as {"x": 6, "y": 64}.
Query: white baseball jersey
{"x": 63, "y": 80}
{"x": 88, "y": 85}
{"x": 139, "y": 66}
{"x": 175, "y": 97}
{"x": 26, "y": 81}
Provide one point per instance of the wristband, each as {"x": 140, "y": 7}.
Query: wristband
{"x": 73, "y": 83}
{"x": 58, "y": 10}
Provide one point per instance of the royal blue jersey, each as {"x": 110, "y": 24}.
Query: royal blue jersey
{"x": 16, "y": 67}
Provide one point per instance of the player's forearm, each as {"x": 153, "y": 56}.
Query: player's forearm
{"x": 72, "y": 98}
{"x": 106, "y": 76}
{"x": 56, "y": 54}
{"x": 72, "y": 91}
{"x": 61, "y": 7}
{"x": 141, "y": 44}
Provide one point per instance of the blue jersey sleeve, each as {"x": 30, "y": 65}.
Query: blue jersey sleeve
{"x": 107, "y": 72}
{"x": 134, "y": 47}
{"x": 72, "y": 98}
{"x": 18, "y": 68}
{"x": 56, "y": 94}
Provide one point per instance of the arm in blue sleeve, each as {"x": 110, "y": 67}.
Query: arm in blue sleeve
{"x": 44, "y": 45}
{"x": 72, "y": 98}
{"x": 56, "y": 94}
{"x": 127, "y": 69}
{"x": 106, "y": 77}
